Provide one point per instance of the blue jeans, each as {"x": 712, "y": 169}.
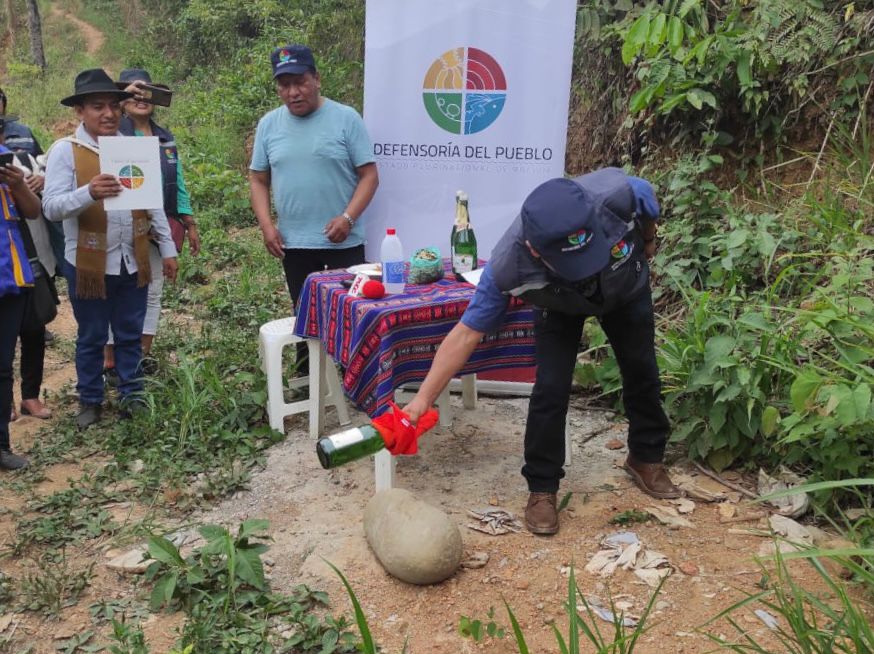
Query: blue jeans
{"x": 630, "y": 329}
{"x": 124, "y": 310}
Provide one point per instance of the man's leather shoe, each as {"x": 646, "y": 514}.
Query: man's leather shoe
{"x": 10, "y": 461}
{"x": 652, "y": 479}
{"x": 88, "y": 415}
{"x": 541, "y": 515}
{"x": 131, "y": 407}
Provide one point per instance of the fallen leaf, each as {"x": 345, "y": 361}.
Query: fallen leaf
{"x": 652, "y": 577}
{"x": 684, "y": 505}
{"x": 727, "y": 511}
{"x": 476, "y": 560}
{"x": 769, "y": 620}
{"x": 607, "y": 615}
{"x": 494, "y": 522}
{"x": 668, "y": 515}
{"x": 614, "y": 444}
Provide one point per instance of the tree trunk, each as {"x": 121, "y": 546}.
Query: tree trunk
{"x": 10, "y": 25}
{"x": 34, "y": 24}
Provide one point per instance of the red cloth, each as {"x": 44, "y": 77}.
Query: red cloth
{"x": 400, "y": 435}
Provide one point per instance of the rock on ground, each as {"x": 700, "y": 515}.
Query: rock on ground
{"x": 414, "y": 541}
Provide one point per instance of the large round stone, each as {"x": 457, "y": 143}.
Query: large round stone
{"x": 414, "y": 541}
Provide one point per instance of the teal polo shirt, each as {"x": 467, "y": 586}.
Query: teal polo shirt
{"x": 312, "y": 161}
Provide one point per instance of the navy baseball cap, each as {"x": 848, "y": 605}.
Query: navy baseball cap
{"x": 292, "y": 60}
{"x": 572, "y": 233}
{"x": 129, "y": 75}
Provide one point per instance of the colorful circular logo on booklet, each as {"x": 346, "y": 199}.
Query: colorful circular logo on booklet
{"x": 131, "y": 176}
{"x": 621, "y": 249}
{"x": 464, "y": 90}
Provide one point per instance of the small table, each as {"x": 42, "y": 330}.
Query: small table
{"x": 384, "y": 344}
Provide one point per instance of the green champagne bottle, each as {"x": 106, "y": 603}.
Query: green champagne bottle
{"x": 464, "y": 257}
{"x": 349, "y": 445}
{"x": 458, "y": 195}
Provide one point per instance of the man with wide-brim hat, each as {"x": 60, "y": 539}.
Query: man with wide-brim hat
{"x": 106, "y": 252}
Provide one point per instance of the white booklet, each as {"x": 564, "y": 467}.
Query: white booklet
{"x": 136, "y": 162}
{"x": 473, "y": 276}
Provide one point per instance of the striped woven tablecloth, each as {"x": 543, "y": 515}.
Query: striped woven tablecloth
{"x": 384, "y": 344}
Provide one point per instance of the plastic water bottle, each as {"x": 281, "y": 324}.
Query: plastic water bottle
{"x": 391, "y": 253}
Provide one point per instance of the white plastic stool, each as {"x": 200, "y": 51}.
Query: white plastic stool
{"x": 324, "y": 386}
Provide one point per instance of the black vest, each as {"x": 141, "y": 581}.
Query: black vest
{"x": 169, "y": 163}
{"x": 518, "y": 273}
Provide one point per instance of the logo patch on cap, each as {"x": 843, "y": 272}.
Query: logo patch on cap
{"x": 578, "y": 240}
{"x": 621, "y": 249}
{"x": 284, "y": 56}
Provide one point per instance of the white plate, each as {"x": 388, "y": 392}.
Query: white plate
{"x": 370, "y": 269}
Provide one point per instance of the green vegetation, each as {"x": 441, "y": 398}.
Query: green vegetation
{"x": 222, "y": 588}
{"x": 750, "y": 116}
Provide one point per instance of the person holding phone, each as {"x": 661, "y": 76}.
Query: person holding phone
{"x": 138, "y": 120}
{"x": 19, "y": 138}
{"x": 37, "y": 245}
{"x": 16, "y": 277}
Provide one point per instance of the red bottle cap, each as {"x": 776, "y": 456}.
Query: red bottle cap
{"x": 390, "y": 231}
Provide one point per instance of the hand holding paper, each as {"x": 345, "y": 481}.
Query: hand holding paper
{"x": 104, "y": 186}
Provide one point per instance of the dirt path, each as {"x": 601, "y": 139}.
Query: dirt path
{"x": 94, "y": 38}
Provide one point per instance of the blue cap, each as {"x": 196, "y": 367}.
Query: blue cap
{"x": 129, "y": 75}
{"x": 292, "y": 60}
{"x": 572, "y": 233}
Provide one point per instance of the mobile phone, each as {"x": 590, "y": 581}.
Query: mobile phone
{"x": 7, "y": 159}
{"x": 157, "y": 95}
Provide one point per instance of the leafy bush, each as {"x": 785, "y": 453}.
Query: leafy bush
{"x": 222, "y": 587}
{"x": 748, "y": 65}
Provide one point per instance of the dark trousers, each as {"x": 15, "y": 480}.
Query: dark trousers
{"x": 298, "y": 263}
{"x": 11, "y": 314}
{"x": 631, "y": 332}
{"x": 33, "y": 350}
{"x": 124, "y": 310}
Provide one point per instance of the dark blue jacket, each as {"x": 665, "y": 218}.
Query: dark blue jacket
{"x": 516, "y": 272}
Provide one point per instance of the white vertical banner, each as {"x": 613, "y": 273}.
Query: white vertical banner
{"x": 463, "y": 95}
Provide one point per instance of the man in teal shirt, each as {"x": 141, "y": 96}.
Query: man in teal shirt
{"x": 315, "y": 156}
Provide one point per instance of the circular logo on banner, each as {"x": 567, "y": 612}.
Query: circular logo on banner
{"x": 131, "y": 177}
{"x": 464, "y": 90}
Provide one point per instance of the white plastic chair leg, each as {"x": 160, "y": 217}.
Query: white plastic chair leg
{"x": 334, "y": 396}
{"x": 272, "y": 364}
{"x": 317, "y": 375}
{"x": 444, "y": 407}
{"x": 468, "y": 391}
{"x": 384, "y": 464}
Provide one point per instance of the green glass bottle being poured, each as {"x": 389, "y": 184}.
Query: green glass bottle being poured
{"x": 463, "y": 244}
{"x": 349, "y": 445}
